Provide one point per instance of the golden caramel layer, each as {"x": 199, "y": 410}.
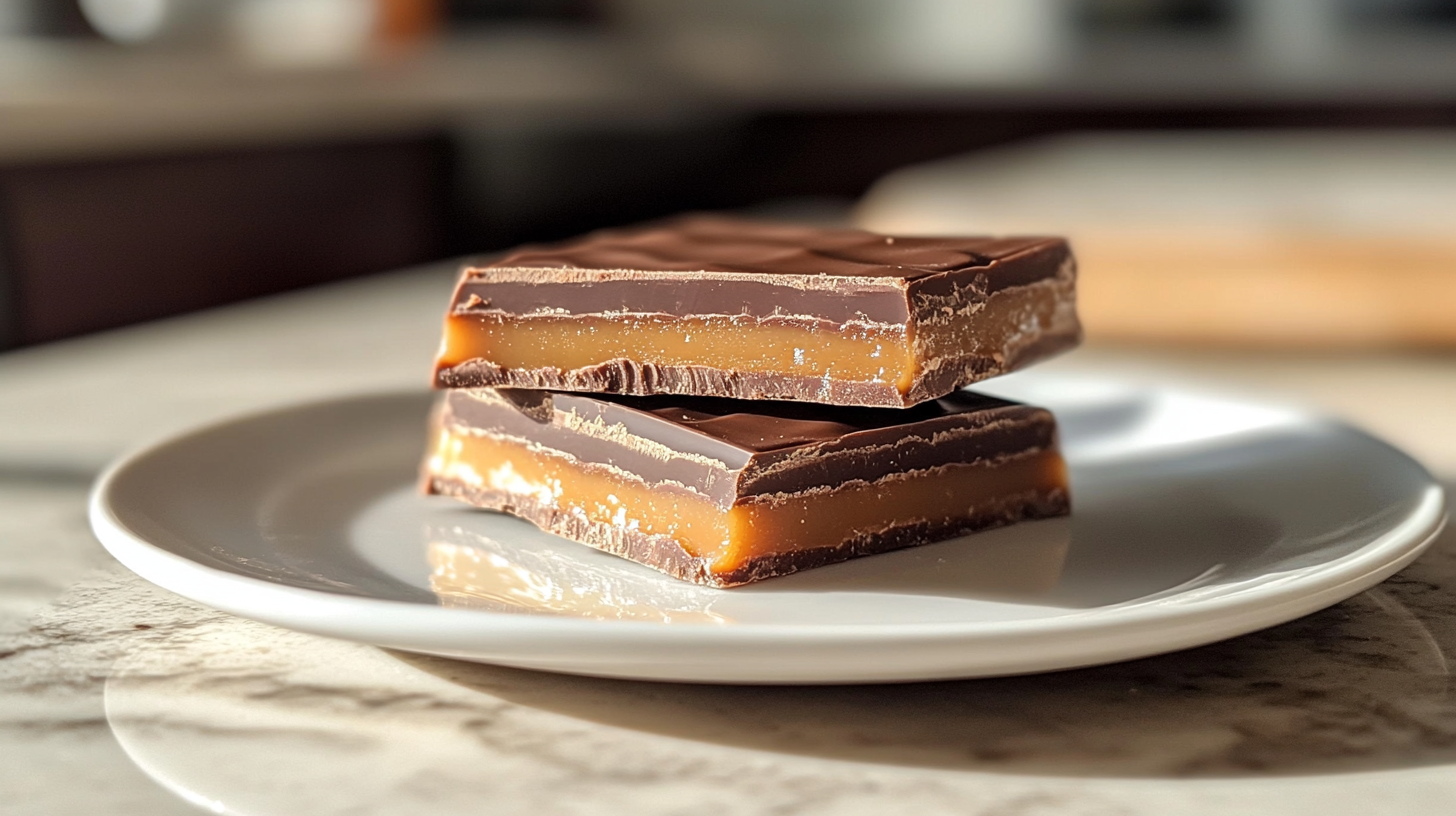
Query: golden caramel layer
{"x": 937, "y": 497}
{"x": 751, "y": 529}
{"x": 859, "y": 354}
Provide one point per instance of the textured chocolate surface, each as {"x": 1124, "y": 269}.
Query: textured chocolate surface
{"x": 646, "y": 379}
{"x": 706, "y": 267}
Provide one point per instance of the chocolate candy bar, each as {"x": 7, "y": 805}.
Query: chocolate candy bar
{"x": 712, "y": 306}
{"x": 708, "y": 492}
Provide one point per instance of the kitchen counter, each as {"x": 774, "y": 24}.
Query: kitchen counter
{"x": 118, "y": 697}
{"x": 87, "y": 101}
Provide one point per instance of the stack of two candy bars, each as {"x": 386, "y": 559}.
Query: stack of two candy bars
{"x": 728, "y": 401}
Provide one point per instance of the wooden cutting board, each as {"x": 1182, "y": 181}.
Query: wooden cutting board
{"x": 1294, "y": 239}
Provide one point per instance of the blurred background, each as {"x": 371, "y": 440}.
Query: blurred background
{"x": 1232, "y": 172}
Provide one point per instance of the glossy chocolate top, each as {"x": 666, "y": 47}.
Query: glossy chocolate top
{"x": 775, "y": 426}
{"x": 704, "y": 243}
{"x": 739, "y": 266}
{"x": 719, "y": 448}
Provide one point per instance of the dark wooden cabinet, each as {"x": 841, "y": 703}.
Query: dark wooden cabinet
{"x": 97, "y": 244}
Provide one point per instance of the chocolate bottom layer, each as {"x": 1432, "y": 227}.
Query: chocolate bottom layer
{"x": 645, "y": 379}
{"x": 667, "y": 555}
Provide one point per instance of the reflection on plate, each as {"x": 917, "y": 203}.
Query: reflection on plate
{"x": 1194, "y": 518}
{"x": 472, "y": 570}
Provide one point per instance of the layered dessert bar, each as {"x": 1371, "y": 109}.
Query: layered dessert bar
{"x": 722, "y": 492}
{"x": 713, "y": 306}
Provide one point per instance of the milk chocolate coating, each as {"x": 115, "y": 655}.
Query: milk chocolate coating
{"x": 822, "y": 279}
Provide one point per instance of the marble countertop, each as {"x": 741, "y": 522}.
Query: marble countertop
{"x": 117, "y": 697}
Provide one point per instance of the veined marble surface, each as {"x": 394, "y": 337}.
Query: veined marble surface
{"x": 117, "y": 697}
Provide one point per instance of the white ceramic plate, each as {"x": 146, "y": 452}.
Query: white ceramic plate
{"x": 1195, "y": 518}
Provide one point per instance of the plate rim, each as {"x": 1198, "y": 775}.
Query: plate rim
{"x": 322, "y": 612}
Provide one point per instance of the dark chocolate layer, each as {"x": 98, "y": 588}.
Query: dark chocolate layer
{"x": 643, "y": 379}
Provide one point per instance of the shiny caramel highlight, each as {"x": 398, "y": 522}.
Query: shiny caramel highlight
{"x": 510, "y": 468}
